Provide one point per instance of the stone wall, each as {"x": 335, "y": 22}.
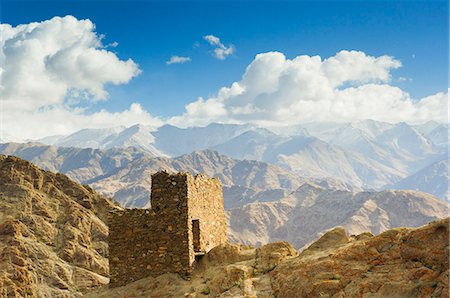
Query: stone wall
{"x": 144, "y": 242}
{"x": 205, "y": 204}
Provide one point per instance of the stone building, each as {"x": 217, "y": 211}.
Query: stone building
{"x": 186, "y": 219}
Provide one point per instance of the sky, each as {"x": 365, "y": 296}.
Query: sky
{"x": 103, "y": 63}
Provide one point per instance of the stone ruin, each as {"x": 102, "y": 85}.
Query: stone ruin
{"x": 186, "y": 220}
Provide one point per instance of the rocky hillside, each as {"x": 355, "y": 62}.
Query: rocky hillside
{"x": 397, "y": 263}
{"x": 311, "y": 209}
{"x": 52, "y": 233}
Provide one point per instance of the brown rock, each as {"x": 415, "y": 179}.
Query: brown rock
{"x": 270, "y": 255}
{"x": 225, "y": 254}
{"x": 46, "y": 234}
{"x": 396, "y": 263}
{"x": 231, "y": 276}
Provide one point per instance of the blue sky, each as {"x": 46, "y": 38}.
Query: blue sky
{"x": 149, "y": 32}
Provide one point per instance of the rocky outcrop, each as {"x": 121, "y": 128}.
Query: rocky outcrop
{"x": 226, "y": 271}
{"x": 52, "y": 233}
{"x": 397, "y": 263}
{"x": 400, "y": 262}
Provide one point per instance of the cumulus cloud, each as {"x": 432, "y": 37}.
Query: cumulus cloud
{"x": 49, "y": 70}
{"x": 349, "y": 86}
{"x": 220, "y": 50}
{"x": 178, "y": 60}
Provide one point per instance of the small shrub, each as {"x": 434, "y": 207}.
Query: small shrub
{"x": 205, "y": 291}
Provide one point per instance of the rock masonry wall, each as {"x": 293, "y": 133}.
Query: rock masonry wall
{"x": 205, "y": 204}
{"x": 150, "y": 242}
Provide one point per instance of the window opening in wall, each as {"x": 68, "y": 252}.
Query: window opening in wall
{"x": 196, "y": 234}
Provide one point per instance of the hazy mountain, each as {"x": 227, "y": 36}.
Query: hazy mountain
{"x": 137, "y": 136}
{"x": 365, "y": 154}
{"x": 427, "y": 127}
{"x": 125, "y": 173}
{"x": 256, "y": 144}
{"x": 82, "y": 165}
{"x": 399, "y": 146}
{"x": 242, "y": 179}
{"x": 295, "y": 218}
{"x": 176, "y": 141}
{"x": 310, "y": 157}
{"x": 433, "y": 179}
{"x": 5, "y": 138}
{"x": 405, "y": 141}
{"x": 440, "y": 135}
{"x": 166, "y": 140}
{"x": 327, "y": 131}
{"x": 85, "y": 138}
{"x": 287, "y": 131}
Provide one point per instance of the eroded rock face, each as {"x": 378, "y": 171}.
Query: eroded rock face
{"x": 270, "y": 255}
{"x": 52, "y": 233}
{"x": 397, "y": 263}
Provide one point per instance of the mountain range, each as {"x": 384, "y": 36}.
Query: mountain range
{"x": 265, "y": 202}
{"x": 295, "y": 217}
{"x": 367, "y": 154}
{"x": 432, "y": 179}
{"x": 125, "y": 173}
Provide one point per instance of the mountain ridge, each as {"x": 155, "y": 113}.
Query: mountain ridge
{"x": 294, "y": 218}
{"x": 367, "y": 154}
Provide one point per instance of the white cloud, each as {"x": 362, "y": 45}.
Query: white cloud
{"x": 178, "y": 60}
{"x": 113, "y": 44}
{"x": 52, "y": 71}
{"x": 404, "y": 79}
{"x": 349, "y": 86}
{"x": 213, "y": 40}
{"x": 220, "y": 51}
{"x": 47, "y": 67}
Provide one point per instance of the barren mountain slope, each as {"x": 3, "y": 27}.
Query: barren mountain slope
{"x": 131, "y": 184}
{"x": 52, "y": 233}
{"x": 310, "y": 157}
{"x": 124, "y": 173}
{"x": 311, "y": 209}
{"x": 80, "y": 164}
